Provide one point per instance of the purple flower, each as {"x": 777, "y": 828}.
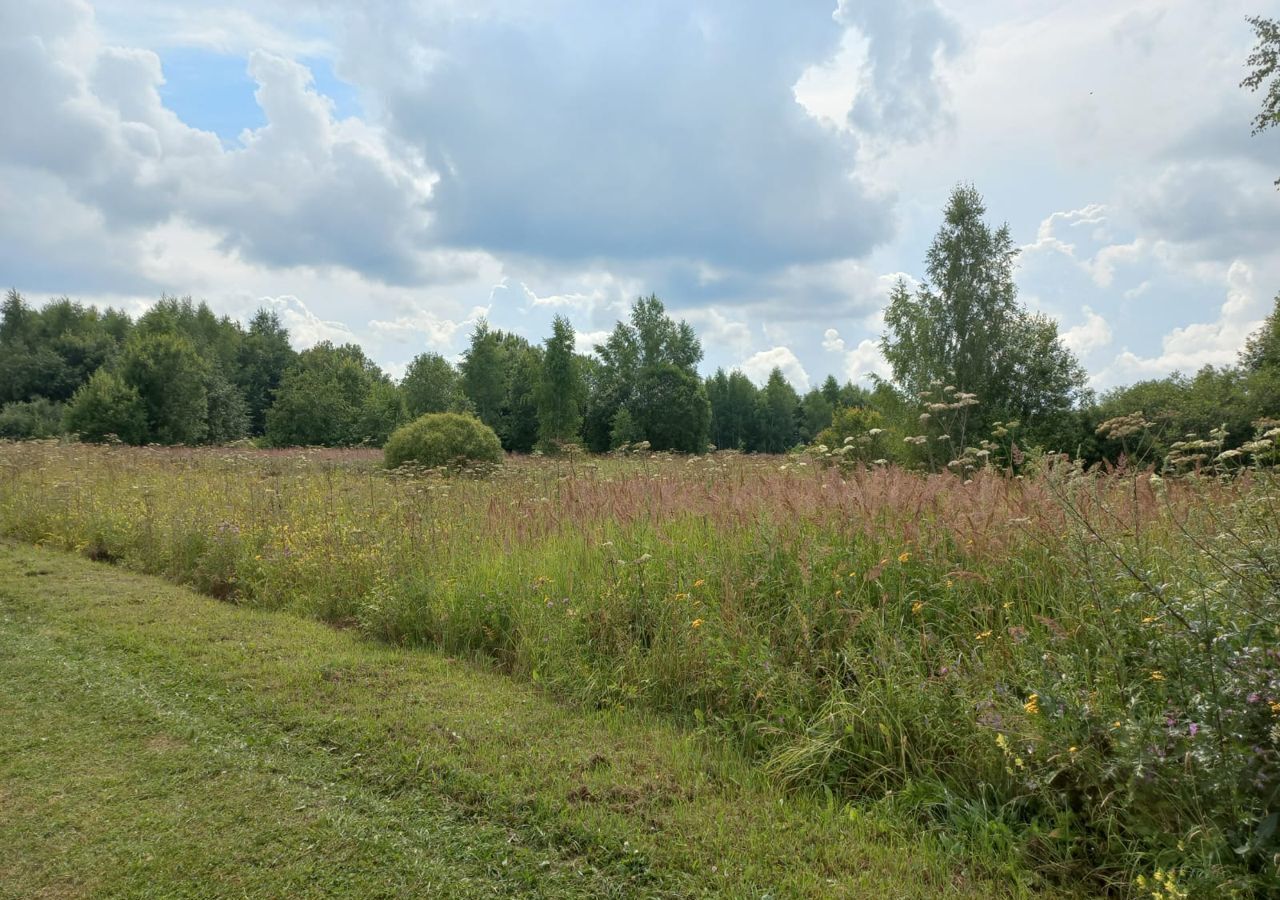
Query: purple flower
{"x": 1253, "y": 698}
{"x": 1193, "y": 729}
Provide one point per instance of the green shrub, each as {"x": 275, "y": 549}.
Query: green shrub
{"x": 443, "y": 439}
{"x": 38, "y": 418}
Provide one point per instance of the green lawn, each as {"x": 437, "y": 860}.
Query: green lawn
{"x": 154, "y": 742}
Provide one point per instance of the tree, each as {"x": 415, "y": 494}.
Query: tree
{"x": 1262, "y": 348}
{"x": 670, "y": 408}
{"x": 518, "y": 422}
{"x": 964, "y": 327}
{"x": 227, "y": 416}
{"x": 778, "y": 408}
{"x": 560, "y": 391}
{"x": 431, "y": 385}
{"x": 484, "y": 374}
{"x": 170, "y": 378}
{"x": 106, "y": 406}
{"x": 649, "y": 368}
{"x": 815, "y": 413}
{"x": 52, "y": 351}
{"x": 332, "y": 396}
{"x": 1264, "y": 64}
{"x": 265, "y": 355}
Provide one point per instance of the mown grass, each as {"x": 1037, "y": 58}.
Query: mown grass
{"x": 1071, "y": 678}
{"x": 157, "y": 743}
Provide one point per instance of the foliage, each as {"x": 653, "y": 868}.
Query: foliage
{"x": 856, "y": 434}
{"x": 171, "y": 380}
{"x": 560, "y": 391}
{"x": 263, "y": 358}
{"x": 51, "y": 352}
{"x": 332, "y": 396}
{"x": 38, "y": 418}
{"x": 442, "y": 439}
{"x": 777, "y": 411}
{"x": 1264, "y": 66}
{"x": 1076, "y": 665}
{"x": 649, "y": 368}
{"x": 105, "y": 407}
{"x": 431, "y": 384}
{"x": 964, "y": 327}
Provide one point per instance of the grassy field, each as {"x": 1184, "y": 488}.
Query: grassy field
{"x": 159, "y": 743}
{"x": 1070, "y": 680}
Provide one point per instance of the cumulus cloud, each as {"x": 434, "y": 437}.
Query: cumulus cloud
{"x": 306, "y": 329}
{"x": 1193, "y": 346}
{"x": 832, "y": 342}
{"x": 758, "y": 366}
{"x": 1090, "y": 335}
{"x": 572, "y": 144}
{"x": 901, "y": 94}
{"x": 865, "y": 361}
{"x": 304, "y": 189}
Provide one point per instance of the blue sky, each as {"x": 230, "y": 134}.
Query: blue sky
{"x": 388, "y": 172}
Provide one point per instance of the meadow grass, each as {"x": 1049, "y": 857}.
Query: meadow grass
{"x": 1072, "y": 677}
{"x": 157, "y": 743}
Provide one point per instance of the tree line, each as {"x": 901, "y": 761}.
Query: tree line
{"x": 968, "y": 363}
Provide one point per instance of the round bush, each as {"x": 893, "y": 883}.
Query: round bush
{"x": 442, "y": 439}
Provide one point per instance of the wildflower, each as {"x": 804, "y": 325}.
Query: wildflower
{"x": 1032, "y": 706}
{"x": 982, "y": 635}
{"x": 853, "y": 574}
{"x": 1073, "y": 750}
{"x": 839, "y": 593}
{"x": 700, "y": 582}
{"x": 1275, "y": 706}
{"x": 1157, "y": 675}
{"x": 950, "y": 584}
{"x": 1002, "y": 742}
{"x": 916, "y": 607}
{"x": 903, "y": 557}
{"x": 696, "y": 623}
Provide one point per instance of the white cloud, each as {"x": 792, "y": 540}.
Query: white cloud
{"x": 1191, "y": 347}
{"x": 1092, "y": 334}
{"x": 438, "y": 331}
{"x": 832, "y": 342}
{"x": 718, "y": 331}
{"x": 585, "y": 341}
{"x": 758, "y": 366}
{"x": 866, "y": 360}
{"x": 306, "y": 329}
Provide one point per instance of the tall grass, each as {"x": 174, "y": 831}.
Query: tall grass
{"x": 1075, "y": 673}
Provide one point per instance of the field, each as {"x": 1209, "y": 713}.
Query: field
{"x": 1062, "y": 680}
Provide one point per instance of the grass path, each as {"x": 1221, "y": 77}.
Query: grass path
{"x": 156, "y": 743}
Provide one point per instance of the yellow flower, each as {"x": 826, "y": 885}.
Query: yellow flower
{"x": 1157, "y": 675}
{"x": 1073, "y": 749}
{"x": 839, "y": 593}
{"x": 700, "y": 582}
{"x": 917, "y": 606}
{"x": 983, "y": 635}
{"x": 1032, "y": 706}
{"x": 950, "y": 584}
{"x": 853, "y": 574}
{"x": 696, "y": 623}
{"x": 903, "y": 557}
{"x": 1002, "y": 742}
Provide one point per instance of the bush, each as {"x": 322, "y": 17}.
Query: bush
{"x": 38, "y": 418}
{"x": 443, "y": 439}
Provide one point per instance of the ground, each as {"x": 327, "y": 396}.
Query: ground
{"x": 160, "y": 743}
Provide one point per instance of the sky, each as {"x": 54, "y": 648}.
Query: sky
{"x": 389, "y": 172}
